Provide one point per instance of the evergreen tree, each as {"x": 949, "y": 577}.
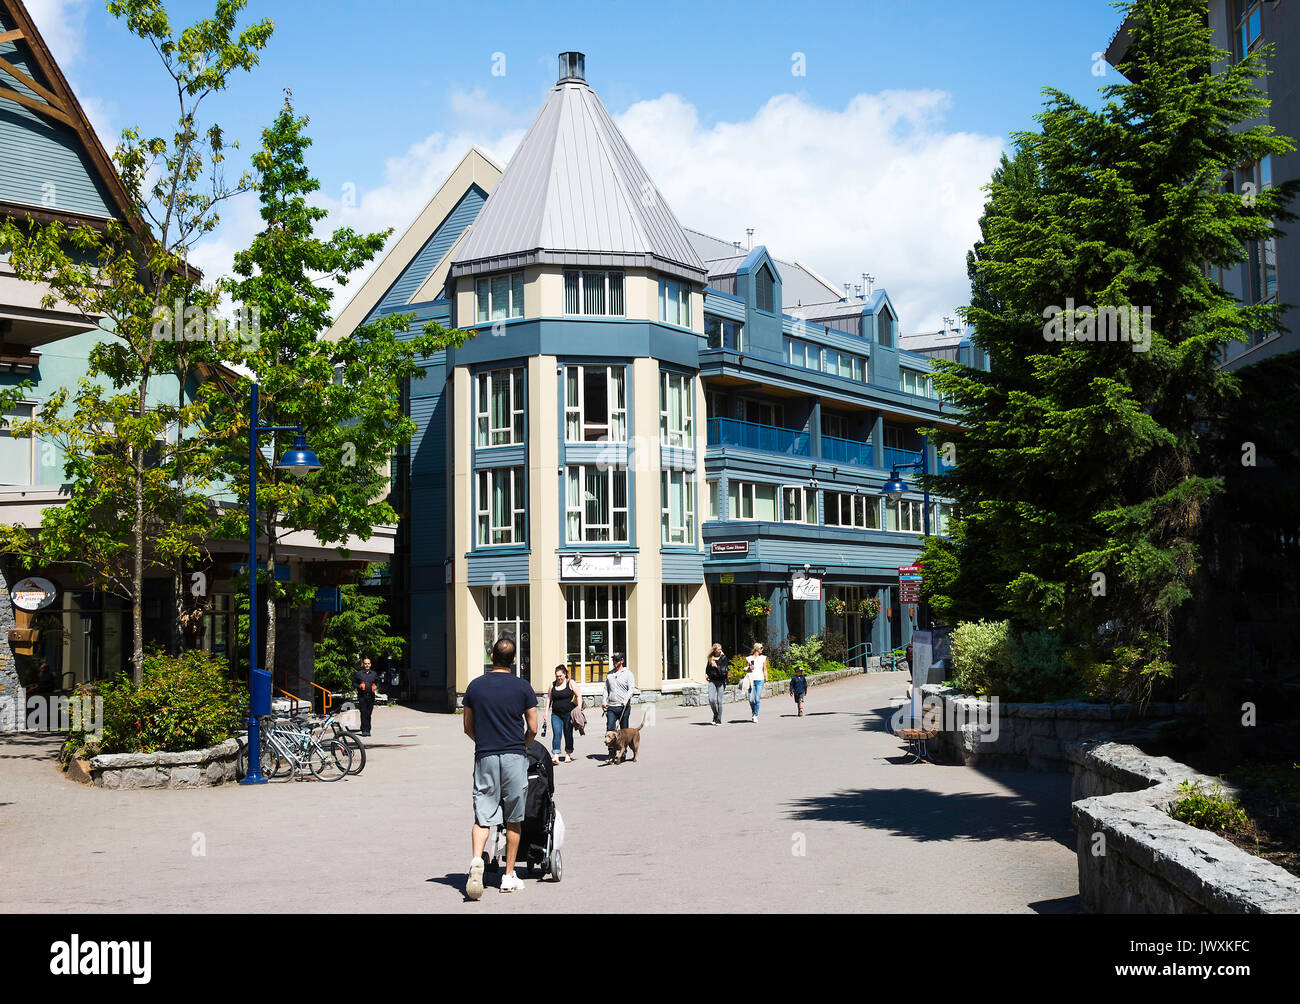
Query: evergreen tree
{"x": 1081, "y": 486}
{"x": 359, "y": 628}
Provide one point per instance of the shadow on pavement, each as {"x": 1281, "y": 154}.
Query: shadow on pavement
{"x": 1065, "y": 904}
{"x": 931, "y": 815}
{"x": 30, "y": 745}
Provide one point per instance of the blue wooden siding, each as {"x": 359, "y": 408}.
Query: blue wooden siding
{"x": 42, "y": 162}
{"x": 682, "y": 567}
{"x": 435, "y": 248}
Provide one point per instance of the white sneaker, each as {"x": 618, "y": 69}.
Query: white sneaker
{"x": 511, "y": 883}
{"x": 474, "y": 885}
{"x": 754, "y": 719}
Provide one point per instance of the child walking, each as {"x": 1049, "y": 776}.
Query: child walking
{"x": 798, "y": 687}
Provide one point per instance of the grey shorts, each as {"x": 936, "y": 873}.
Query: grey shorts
{"x": 500, "y": 783}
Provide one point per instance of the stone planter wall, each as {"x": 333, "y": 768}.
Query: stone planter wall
{"x": 191, "y": 769}
{"x": 1134, "y": 858}
{"x": 1026, "y": 735}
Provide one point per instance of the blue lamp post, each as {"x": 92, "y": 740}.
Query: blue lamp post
{"x": 894, "y": 488}
{"x": 298, "y": 461}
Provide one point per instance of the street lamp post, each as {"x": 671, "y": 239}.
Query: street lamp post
{"x": 896, "y": 486}
{"x": 299, "y": 461}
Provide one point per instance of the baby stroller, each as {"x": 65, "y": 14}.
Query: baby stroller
{"x": 543, "y": 829}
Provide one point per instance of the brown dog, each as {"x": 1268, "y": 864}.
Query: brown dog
{"x": 624, "y": 739}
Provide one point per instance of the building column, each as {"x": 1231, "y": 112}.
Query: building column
{"x": 645, "y": 599}
{"x": 878, "y": 441}
{"x": 546, "y": 613}
{"x": 465, "y": 623}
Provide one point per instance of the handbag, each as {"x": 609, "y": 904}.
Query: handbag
{"x": 579, "y": 721}
{"x": 746, "y": 682}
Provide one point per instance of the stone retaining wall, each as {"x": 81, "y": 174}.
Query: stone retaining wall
{"x": 979, "y": 733}
{"x": 191, "y": 769}
{"x": 1135, "y": 858}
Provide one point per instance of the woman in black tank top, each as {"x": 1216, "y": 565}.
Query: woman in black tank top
{"x": 561, "y": 699}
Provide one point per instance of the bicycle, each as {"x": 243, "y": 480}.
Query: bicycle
{"x": 290, "y": 747}
{"x": 346, "y": 736}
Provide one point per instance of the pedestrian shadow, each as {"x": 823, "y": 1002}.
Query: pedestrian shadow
{"x": 930, "y": 815}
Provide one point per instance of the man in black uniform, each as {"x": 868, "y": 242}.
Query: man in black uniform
{"x": 366, "y": 681}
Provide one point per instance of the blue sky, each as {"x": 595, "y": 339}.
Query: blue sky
{"x": 870, "y": 161}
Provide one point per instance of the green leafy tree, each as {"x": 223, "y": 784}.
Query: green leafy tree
{"x": 359, "y": 629}
{"x": 346, "y": 395}
{"x": 128, "y": 456}
{"x": 1080, "y": 459}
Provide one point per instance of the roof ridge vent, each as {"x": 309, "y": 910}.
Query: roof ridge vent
{"x": 572, "y": 67}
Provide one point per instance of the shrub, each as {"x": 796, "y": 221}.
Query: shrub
{"x": 835, "y": 646}
{"x": 1208, "y": 810}
{"x": 989, "y": 658}
{"x": 183, "y": 703}
{"x": 832, "y": 666}
{"x": 737, "y": 668}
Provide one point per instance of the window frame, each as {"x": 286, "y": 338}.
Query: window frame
{"x": 685, "y": 532}
{"x": 807, "y": 506}
{"x": 682, "y": 302}
{"x": 612, "y": 475}
{"x": 736, "y": 512}
{"x": 606, "y": 292}
{"x": 682, "y": 437}
{"x": 859, "y": 505}
{"x": 484, "y": 312}
{"x": 485, "y": 529}
{"x": 517, "y": 386}
{"x": 615, "y": 414}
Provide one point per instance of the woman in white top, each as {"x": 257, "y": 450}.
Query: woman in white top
{"x": 757, "y": 663}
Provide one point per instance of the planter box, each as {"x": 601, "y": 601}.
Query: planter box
{"x": 191, "y": 769}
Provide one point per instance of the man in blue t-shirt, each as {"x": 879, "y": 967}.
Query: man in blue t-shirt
{"x": 501, "y": 718}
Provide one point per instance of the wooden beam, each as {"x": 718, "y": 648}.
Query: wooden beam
{"x": 10, "y": 36}
{"x": 37, "y": 89}
{"x": 37, "y": 106}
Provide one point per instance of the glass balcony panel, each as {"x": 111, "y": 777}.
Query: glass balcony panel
{"x": 763, "y": 438}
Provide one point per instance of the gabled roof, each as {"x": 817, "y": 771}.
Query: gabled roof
{"x": 475, "y": 170}
{"x": 574, "y": 193}
{"x": 36, "y": 98}
{"x": 800, "y": 284}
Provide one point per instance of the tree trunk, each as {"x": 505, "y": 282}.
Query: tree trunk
{"x": 137, "y": 570}
{"x": 178, "y": 571}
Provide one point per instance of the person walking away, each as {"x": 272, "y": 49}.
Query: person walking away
{"x": 501, "y": 718}
{"x": 757, "y": 663}
{"x": 716, "y": 673}
{"x": 620, "y": 685}
{"x": 561, "y": 699}
{"x": 367, "y": 682}
{"x": 798, "y": 687}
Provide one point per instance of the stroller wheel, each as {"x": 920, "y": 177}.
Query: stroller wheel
{"x": 557, "y": 866}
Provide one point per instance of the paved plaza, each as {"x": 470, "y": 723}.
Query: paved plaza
{"x": 710, "y": 819}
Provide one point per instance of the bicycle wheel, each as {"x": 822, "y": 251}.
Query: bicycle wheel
{"x": 271, "y": 763}
{"x": 352, "y": 740}
{"x": 330, "y": 760}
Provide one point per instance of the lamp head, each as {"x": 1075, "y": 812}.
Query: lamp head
{"x": 299, "y": 461}
{"x": 895, "y": 487}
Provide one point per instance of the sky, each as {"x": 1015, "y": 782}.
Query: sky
{"x": 852, "y": 137}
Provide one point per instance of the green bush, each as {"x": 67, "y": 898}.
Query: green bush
{"x": 183, "y": 703}
{"x": 990, "y": 659}
{"x": 835, "y": 646}
{"x": 832, "y": 667}
{"x": 980, "y": 654}
{"x": 1208, "y": 810}
{"x": 737, "y": 668}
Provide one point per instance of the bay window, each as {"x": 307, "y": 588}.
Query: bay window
{"x": 677, "y": 507}
{"x": 501, "y": 506}
{"x": 595, "y": 404}
{"x": 676, "y": 410}
{"x": 497, "y": 297}
{"x": 593, "y": 294}
{"x": 595, "y": 505}
{"x": 499, "y": 407}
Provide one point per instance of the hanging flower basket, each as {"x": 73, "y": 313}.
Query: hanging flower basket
{"x": 868, "y": 607}
{"x": 756, "y": 606}
{"x": 836, "y": 606}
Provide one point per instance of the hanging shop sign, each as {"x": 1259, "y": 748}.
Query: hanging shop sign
{"x": 909, "y": 584}
{"x": 598, "y": 566}
{"x": 33, "y": 593}
{"x": 729, "y": 547}
{"x": 805, "y": 587}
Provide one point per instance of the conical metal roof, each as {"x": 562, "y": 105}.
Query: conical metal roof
{"x": 574, "y": 193}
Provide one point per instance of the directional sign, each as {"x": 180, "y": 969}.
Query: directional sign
{"x": 909, "y": 584}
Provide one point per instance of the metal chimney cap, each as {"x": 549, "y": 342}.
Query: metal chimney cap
{"x": 572, "y": 67}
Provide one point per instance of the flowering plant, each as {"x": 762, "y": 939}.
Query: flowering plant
{"x": 757, "y": 606}
{"x": 868, "y": 607}
{"x": 836, "y": 606}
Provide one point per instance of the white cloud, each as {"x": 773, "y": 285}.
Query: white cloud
{"x": 62, "y": 23}
{"x": 878, "y": 187}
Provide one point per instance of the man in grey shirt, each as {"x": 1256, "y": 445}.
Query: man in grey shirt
{"x": 620, "y": 685}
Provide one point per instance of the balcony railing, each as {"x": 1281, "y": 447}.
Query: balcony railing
{"x": 764, "y": 438}
{"x": 848, "y": 451}
{"x": 894, "y": 456}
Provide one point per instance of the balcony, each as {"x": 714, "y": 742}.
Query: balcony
{"x": 894, "y": 457}
{"x": 763, "y": 438}
{"x": 848, "y": 451}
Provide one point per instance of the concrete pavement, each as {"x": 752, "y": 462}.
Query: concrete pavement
{"x": 790, "y": 814}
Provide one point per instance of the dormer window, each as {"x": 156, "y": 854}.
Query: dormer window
{"x": 885, "y": 328}
{"x": 765, "y": 290}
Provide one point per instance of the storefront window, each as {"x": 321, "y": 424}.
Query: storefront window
{"x": 676, "y": 645}
{"x": 595, "y": 627}
{"x": 505, "y": 615}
